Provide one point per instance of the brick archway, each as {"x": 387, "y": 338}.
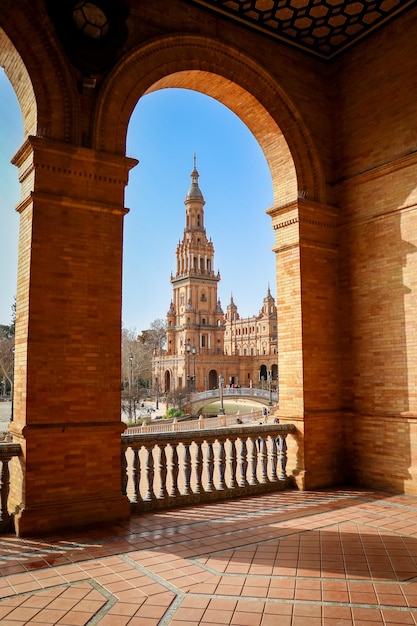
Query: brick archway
{"x": 40, "y": 99}
{"x": 223, "y": 73}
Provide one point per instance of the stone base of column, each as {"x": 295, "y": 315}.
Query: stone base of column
{"x": 51, "y": 518}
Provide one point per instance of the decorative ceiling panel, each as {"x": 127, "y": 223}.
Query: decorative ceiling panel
{"x": 324, "y": 28}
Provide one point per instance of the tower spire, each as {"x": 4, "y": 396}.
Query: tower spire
{"x": 194, "y": 192}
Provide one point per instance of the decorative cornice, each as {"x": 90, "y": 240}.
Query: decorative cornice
{"x": 303, "y": 220}
{"x": 71, "y": 203}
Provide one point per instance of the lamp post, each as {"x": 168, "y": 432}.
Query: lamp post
{"x": 221, "y": 380}
{"x": 193, "y": 351}
{"x": 270, "y": 387}
{"x": 188, "y": 348}
{"x": 157, "y": 385}
{"x": 130, "y": 384}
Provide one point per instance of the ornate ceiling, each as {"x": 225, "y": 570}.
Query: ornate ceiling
{"x": 323, "y": 28}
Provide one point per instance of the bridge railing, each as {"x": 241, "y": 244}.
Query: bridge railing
{"x": 162, "y": 470}
{"x": 228, "y": 392}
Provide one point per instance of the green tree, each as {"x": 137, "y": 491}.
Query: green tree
{"x": 7, "y": 340}
{"x": 137, "y": 352}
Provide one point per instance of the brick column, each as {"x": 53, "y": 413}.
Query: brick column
{"x": 68, "y": 327}
{"x": 308, "y": 337}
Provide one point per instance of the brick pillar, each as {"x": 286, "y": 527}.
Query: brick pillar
{"x": 68, "y": 327}
{"x": 308, "y": 337}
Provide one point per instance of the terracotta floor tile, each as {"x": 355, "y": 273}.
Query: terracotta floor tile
{"x": 281, "y": 593}
{"x": 217, "y": 616}
{"x": 398, "y": 617}
{"x": 308, "y": 594}
{"x": 303, "y": 543}
{"x": 302, "y": 620}
{"x": 111, "y": 620}
{"x": 246, "y": 619}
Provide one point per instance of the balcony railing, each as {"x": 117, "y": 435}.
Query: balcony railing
{"x": 7, "y": 451}
{"x": 163, "y": 470}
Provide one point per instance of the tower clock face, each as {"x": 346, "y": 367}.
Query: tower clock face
{"x": 90, "y": 19}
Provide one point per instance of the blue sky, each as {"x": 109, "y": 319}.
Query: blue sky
{"x": 166, "y": 129}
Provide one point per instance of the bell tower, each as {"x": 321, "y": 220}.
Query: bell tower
{"x": 195, "y": 317}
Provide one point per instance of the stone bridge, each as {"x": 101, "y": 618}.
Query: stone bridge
{"x": 261, "y": 396}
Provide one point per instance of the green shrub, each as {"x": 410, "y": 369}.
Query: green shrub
{"x": 173, "y": 412}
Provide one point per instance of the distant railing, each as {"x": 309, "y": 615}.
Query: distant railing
{"x": 162, "y": 470}
{"x": 202, "y": 423}
{"x": 7, "y": 452}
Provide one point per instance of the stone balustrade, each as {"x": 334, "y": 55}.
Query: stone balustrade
{"x": 162, "y": 470}
{"x": 7, "y": 451}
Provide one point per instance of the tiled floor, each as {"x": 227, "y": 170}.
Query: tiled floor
{"x": 288, "y": 559}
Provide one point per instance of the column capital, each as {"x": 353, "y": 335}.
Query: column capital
{"x": 64, "y": 170}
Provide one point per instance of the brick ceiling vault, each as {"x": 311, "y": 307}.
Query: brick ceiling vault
{"x": 322, "y": 28}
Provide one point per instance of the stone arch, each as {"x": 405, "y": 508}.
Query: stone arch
{"x": 21, "y": 56}
{"x": 205, "y": 65}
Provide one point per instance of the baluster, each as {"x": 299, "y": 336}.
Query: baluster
{"x": 187, "y": 469}
{"x": 162, "y": 466}
{"x": 124, "y": 476}
{"x": 210, "y": 467}
{"x": 136, "y": 496}
{"x": 221, "y": 465}
{"x": 243, "y": 463}
{"x": 282, "y": 457}
{"x": 232, "y": 463}
{"x": 4, "y": 490}
{"x": 198, "y": 468}
{"x": 263, "y": 456}
{"x": 274, "y": 457}
{"x": 149, "y": 474}
{"x": 253, "y": 461}
{"x": 174, "y": 471}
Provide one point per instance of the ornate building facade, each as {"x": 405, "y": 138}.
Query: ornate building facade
{"x": 203, "y": 343}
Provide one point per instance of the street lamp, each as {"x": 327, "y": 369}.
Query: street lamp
{"x": 188, "y": 348}
{"x": 130, "y": 384}
{"x": 157, "y": 385}
{"x": 193, "y": 353}
{"x": 270, "y": 387}
{"x": 221, "y": 380}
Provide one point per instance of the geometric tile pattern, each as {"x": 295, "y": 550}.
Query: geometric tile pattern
{"x": 328, "y": 558}
{"x": 324, "y": 28}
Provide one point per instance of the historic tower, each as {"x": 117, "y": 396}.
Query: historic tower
{"x": 195, "y": 324}
{"x": 202, "y": 342}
